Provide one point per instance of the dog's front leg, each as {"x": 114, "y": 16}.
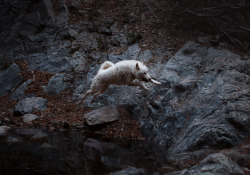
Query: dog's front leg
{"x": 86, "y": 94}
{"x": 138, "y": 84}
{"x": 154, "y": 81}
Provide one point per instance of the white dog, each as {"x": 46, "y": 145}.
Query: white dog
{"x": 121, "y": 73}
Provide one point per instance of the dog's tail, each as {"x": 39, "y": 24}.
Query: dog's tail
{"x": 106, "y": 65}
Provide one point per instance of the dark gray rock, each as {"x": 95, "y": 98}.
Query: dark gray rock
{"x": 87, "y": 41}
{"x": 27, "y": 27}
{"x": 79, "y": 63}
{"x": 104, "y": 30}
{"x": 27, "y": 132}
{"x": 119, "y": 37}
{"x": 19, "y": 93}
{"x": 108, "y": 22}
{"x": 4, "y": 130}
{"x": 51, "y": 63}
{"x": 118, "y": 40}
{"x": 92, "y": 147}
{"x": 47, "y": 146}
{"x": 28, "y": 118}
{"x": 109, "y": 154}
{"x": 102, "y": 115}
{"x": 9, "y": 79}
{"x": 131, "y": 18}
{"x": 28, "y": 105}
{"x": 58, "y": 83}
{"x": 11, "y": 139}
{"x": 130, "y": 171}
{"x": 132, "y": 53}
{"x": 145, "y": 56}
{"x": 40, "y": 136}
{"x": 215, "y": 164}
{"x": 240, "y": 155}
{"x": 201, "y": 103}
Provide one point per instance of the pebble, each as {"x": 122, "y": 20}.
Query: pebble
{"x": 4, "y": 130}
{"x": 11, "y": 139}
{"x": 28, "y": 118}
{"x": 39, "y": 136}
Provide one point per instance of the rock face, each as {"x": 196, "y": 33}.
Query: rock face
{"x": 203, "y": 101}
{"x": 102, "y": 115}
{"x": 57, "y": 83}
{"x": 130, "y": 171}
{"x": 215, "y": 164}
{"x": 28, "y": 105}
{"x": 9, "y": 79}
{"x": 19, "y": 93}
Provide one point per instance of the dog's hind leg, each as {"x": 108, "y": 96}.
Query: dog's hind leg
{"x": 86, "y": 94}
{"x": 95, "y": 95}
{"x": 101, "y": 91}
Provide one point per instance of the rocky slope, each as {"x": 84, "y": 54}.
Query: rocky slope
{"x": 51, "y": 50}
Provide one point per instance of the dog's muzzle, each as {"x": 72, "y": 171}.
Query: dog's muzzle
{"x": 146, "y": 80}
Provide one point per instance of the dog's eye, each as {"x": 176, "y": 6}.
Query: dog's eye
{"x": 144, "y": 73}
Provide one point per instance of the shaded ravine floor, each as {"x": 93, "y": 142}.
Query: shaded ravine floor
{"x": 24, "y": 151}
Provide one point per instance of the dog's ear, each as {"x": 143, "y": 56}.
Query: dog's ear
{"x": 137, "y": 66}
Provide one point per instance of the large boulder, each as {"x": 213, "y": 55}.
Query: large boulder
{"x": 54, "y": 63}
{"x": 202, "y": 102}
{"x": 9, "y": 79}
{"x": 109, "y": 154}
{"x": 214, "y": 164}
{"x": 102, "y": 115}
{"x": 28, "y": 105}
{"x": 58, "y": 83}
{"x": 19, "y": 93}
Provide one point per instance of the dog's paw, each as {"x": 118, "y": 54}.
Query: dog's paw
{"x": 155, "y": 82}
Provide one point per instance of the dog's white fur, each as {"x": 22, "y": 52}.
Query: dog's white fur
{"x": 121, "y": 73}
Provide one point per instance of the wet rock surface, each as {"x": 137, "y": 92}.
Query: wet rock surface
{"x": 39, "y": 136}
{"x": 84, "y": 154}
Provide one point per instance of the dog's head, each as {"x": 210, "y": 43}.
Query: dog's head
{"x": 141, "y": 72}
